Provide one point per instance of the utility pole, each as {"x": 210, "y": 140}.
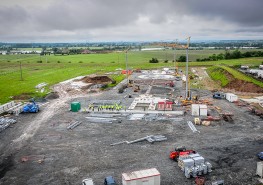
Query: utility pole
{"x": 126, "y": 61}
{"x": 187, "y": 92}
{"x": 175, "y": 70}
{"x": 186, "y": 74}
{"x": 174, "y": 62}
{"x": 21, "y": 77}
{"x": 118, "y": 59}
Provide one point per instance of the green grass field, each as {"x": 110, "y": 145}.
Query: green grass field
{"x": 54, "y": 69}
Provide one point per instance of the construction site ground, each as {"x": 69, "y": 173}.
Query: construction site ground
{"x": 39, "y": 149}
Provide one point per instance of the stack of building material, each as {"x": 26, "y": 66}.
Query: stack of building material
{"x": 194, "y": 165}
{"x": 101, "y": 120}
{"x": 7, "y": 106}
{"x": 185, "y": 163}
{"x": 5, "y": 123}
{"x": 73, "y": 125}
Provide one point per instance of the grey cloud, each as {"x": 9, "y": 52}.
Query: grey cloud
{"x": 246, "y": 13}
{"x": 253, "y": 30}
{"x": 72, "y": 17}
{"x": 13, "y": 15}
{"x": 87, "y": 14}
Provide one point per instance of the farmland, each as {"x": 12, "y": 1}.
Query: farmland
{"x": 53, "y": 69}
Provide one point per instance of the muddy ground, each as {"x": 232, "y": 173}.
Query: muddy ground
{"x": 60, "y": 156}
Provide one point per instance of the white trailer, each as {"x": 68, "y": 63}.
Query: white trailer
{"x": 195, "y": 109}
{"x": 231, "y": 97}
{"x": 142, "y": 177}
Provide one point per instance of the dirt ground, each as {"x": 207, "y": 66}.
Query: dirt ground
{"x": 55, "y": 155}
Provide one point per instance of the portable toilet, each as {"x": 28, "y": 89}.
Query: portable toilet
{"x": 75, "y": 106}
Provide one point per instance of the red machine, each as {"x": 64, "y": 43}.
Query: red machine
{"x": 174, "y": 155}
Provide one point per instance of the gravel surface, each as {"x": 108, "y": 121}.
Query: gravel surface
{"x": 85, "y": 151}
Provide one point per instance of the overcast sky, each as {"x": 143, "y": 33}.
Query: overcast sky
{"x": 129, "y": 20}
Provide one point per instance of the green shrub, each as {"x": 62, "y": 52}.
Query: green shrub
{"x": 154, "y": 60}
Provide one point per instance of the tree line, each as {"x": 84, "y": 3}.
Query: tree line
{"x": 236, "y": 54}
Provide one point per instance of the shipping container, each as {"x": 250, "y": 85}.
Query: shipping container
{"x": 195, "y": 109}
{"x": 142, "y": 177}
{"x": 203, "y": 110}
{"x": 231, "y": 97}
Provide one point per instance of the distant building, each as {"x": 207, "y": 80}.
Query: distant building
{"x": 244, "y": 67}
{"x": 86, "y": 51}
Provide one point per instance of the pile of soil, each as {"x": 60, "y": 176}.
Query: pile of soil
{"x": 97, "y": 79}
{"x": 24, "y": 96}
{"x": 241, "y": 85}
{"x": 52, "y": 95}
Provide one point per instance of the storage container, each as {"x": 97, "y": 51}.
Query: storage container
{"x": 142, "y": 177}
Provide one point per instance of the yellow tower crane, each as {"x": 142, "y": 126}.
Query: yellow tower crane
{"x": 188, "y": 97}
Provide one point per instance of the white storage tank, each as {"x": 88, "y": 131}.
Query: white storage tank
{"x": 195, "y": 109}
{"x": 142, "y": 177}
{"x": 203, "y": 110}
{"x": 231, "y": 97}
{"x": 260, "y": 169}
